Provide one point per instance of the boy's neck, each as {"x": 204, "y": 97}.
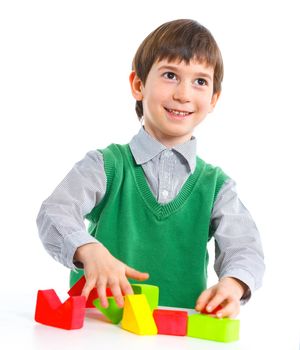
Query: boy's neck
{"x": 168, "y": 142}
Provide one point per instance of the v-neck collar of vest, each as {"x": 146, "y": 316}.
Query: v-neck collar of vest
{"x": 160, "y": 210}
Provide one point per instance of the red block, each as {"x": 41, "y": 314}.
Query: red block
{"x": 76, "y": 290}
{"x": 51, "y": 312}
{"x": 171, "y": 322}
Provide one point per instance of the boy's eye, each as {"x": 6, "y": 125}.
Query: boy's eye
{"x": 201, "y": 82}
{"x": 169, "y": 75}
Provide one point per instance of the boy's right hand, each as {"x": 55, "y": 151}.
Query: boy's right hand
{"x": 102, "y": 270}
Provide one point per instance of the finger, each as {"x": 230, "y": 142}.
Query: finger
{"x": 89, "y": 285}
{"x": 213, "y": 312}
{"x": 136, "y": 275}
{"x": 217, "y": 300}
{"x": 231, "y": 309}
{"x": 101, "y": 290}
{"x": 116, "y": 291}
{"x": 203, "y": 299}
{"x": 126, "y": 287}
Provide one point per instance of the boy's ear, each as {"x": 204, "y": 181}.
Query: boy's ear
{"x": 136, "y": 86}
{"x": 214, "y": 100}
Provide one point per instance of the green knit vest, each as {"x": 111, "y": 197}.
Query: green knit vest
{"x": 169, "y": 241}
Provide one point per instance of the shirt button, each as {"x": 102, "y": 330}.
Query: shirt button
{"x": 165, "y": 193}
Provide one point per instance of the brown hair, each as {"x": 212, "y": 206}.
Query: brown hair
{"x": 182, "y": 39}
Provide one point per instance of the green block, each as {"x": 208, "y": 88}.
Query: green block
{"x": 151, "y": 292}
{"x": 112, "y": 312}
{"x": 213, "y": 328}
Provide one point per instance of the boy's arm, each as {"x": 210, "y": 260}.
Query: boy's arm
{"x": 61, "y": 218}
{"x": 239, "y": 257}
{"x": 63, "y": 233}
{"x": 238, "y": 249}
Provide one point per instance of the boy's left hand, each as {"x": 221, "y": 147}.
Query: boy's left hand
{"x": 227, "y": 294}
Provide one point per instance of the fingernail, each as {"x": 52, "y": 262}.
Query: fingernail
{"x": 219, "y": 314}
{"x": 209, "y": 308}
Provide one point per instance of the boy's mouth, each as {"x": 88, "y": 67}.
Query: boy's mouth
{"x": 177, "y": 114}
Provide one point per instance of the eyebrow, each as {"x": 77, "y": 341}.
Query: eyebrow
{"x": 174, "y": 68}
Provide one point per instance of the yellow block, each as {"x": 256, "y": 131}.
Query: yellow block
{"x": 137, "y": 315}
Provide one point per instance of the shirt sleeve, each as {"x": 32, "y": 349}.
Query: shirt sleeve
{"x": 238, "y": 248}
{"x": 60, "y": 220}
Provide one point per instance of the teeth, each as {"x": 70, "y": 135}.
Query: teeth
{"x": 179, "y": 113}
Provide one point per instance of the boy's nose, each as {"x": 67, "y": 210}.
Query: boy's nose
{"x": 182, "y": 93}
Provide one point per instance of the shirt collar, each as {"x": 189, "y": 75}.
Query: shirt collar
{"x": 144, "y": 148}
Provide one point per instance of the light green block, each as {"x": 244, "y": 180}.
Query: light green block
{"x": 151, "y": 292}
{"x": 112, "y": 312}
{"x": 212, "y": 328}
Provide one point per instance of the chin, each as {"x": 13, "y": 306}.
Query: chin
{"x": 179, "y": 132}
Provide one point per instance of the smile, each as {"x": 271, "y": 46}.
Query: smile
{"x": 174, "y": 113}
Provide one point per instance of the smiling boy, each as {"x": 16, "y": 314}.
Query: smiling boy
{"x": 176, "y": 98}
{"x": 153, "y": 204}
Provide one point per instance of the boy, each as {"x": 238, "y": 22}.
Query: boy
{"x": 153, "y": 204}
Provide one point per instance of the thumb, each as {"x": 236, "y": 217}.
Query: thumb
{"x": 136, "y": 275}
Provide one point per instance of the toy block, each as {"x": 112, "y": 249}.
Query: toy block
{"x": 77, "y": 288}
{"x": 171, "y": 322}
{"x": 112, "y": 312}
{"x": 51, "y": 312}
{"x": 212, "y": 328}
{"x": 137, "y": 315}
{"x": 151, "y": 293}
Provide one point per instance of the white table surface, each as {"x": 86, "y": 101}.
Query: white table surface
{"x": 18, "y": 330}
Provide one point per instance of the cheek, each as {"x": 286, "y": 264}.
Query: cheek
{"x": 205, "y": 103}
{"x": 155, "y": 101}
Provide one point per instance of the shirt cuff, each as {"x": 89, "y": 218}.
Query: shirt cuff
{"x": 71, "y": 243}
{"x": 244, "y": 276}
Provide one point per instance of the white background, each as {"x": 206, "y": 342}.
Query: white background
{"x": 64, "y": 68}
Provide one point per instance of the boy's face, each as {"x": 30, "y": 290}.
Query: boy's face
{"x": 176, "y": 98}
